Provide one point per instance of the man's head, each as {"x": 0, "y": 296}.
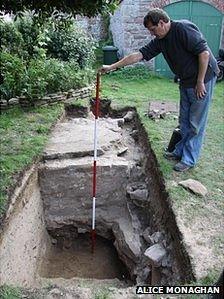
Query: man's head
{"x": 157, "y": 22}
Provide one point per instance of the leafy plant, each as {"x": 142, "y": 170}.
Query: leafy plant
{"x": 24, "y": 37}
{"x": 8, "y": 292}
{"x": 74, "y": 78}
{"x": 30, "y": 30}
{"x": 52, "y": 75}
{"x": 11, "y": 38}
{"x": 44, "y": 57}
{"x": 86, "y": 7}
{"x": 13, "y": 69}
{"x": 34, "y": 80}
{"x": 67, "y": 42}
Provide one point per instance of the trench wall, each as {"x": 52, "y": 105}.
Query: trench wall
{"x": 162, "y": 211}
{"x": 24, "y": 239}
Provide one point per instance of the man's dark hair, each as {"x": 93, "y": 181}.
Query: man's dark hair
{"x": 154, "y": 16}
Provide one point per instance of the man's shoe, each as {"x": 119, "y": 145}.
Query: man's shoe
{"x": 181, "y": 167}
{"x": 171, "y": 156}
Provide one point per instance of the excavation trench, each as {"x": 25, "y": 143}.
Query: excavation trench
{"x": 137, "y": 237}
{"x": 74, "y": 259}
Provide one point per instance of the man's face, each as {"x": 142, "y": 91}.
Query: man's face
{"x": 159, "y": 31}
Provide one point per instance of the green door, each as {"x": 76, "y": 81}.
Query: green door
{"x": 205, "y": 16}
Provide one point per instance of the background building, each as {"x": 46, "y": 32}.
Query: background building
{"x": 129, "y": 33}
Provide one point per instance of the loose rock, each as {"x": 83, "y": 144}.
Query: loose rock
{"x": 120, "y": 122}
{"x": 146, "y": 235}
{"x": 122, "y": 151}
{"x": 166, "y": 262}
{"x": 194, "y": 186}
{"x": 156, "y": 237}
{"x": 135, "y": 134}
{"x": 138, "y": 193}
{"x": 143, "y": 275}
{"x": 14, "y": 101}
{"x": 155, "y": 254}
{"x": 129, "y": 116}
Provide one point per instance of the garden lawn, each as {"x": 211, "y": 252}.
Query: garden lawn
{"x": 23, "y": 136}
{"x": 201, "y": 220}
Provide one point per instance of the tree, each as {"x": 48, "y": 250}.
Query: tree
{"x": 46, "y": 7}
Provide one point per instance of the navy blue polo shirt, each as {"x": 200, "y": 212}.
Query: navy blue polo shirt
{"x": 180, "y": 47}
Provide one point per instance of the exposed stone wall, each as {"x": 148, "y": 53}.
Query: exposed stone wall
{"x": 127, "y": 27}
{"x": 96, "y": 26}
{"x": 49, "y": 99}
{"x": 117, "y": 25}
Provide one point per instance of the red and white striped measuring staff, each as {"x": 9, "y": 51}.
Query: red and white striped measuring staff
{"x": 96, "y": 113}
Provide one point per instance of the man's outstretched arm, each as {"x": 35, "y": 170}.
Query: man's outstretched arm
{"x": 127, "y": 60}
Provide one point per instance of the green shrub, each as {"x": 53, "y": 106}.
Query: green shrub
{"x": 70, "y": 43}
{"x": 12, "y": 70}
{"x": 52, "y": 75}
{"x": 24, "y": 37}
{"x": 11, "y": 38}
{"x": 40, "y": 76}
{"x": 38, "y": 58}
{"x": 76, "y": 79}
{"x": 30, "y": 30}
{"x": 34, "y": 83}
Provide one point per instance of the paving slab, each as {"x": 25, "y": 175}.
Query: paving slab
{"x": 76, "y": 137}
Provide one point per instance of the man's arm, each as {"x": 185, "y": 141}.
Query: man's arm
{"x": 127, "y": 60}
{"x": 203, "y": 59}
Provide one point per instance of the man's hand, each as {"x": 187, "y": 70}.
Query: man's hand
{"x": 200, "y": 90}
{"x": 105, "y": 69}
{"x": 127, "y": 60}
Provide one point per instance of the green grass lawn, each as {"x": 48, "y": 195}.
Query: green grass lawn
{"x": 23, "y": 136}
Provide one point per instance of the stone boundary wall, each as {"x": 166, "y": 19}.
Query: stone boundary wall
{"x": 127, "y": 27}
{"x": 94, "y": 26}
{"x": 49, "y": 99}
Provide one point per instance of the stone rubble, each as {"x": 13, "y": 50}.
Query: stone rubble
{"x": 138, "y": 193}
{"x": 128, "y": 245}
{"x": 156, "y": 237}
{"x": 146, "y": 235}
{"x": 155, "y": 254}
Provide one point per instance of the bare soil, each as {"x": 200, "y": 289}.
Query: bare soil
{"x": 79, "y": 261}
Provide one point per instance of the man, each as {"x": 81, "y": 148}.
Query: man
{"x": 189, "y": 57}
